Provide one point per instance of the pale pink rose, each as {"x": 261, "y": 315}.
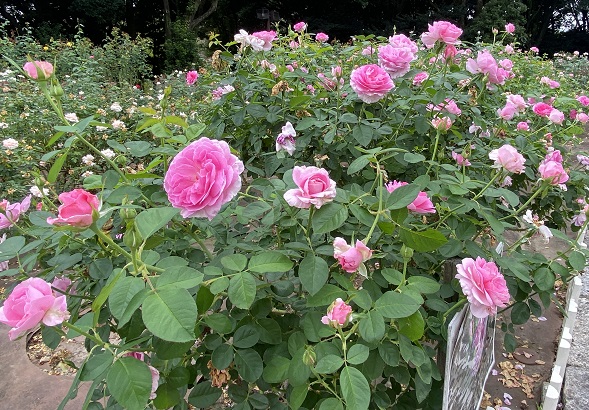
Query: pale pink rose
{"x": 336, "y": 71}
{"x": 61, "y": 283}
{"x": 441, "y": 31}
{"x": 483, "y": 285}
{"x": 553, "y": 84}
{"x": 460, "y": 160}
{"x": 371, "y": 83}
{"x": 507, "y": 181}
{"x": 449, "y": 105}
{"x": 553, "y": 172}
{"x": 579, "y": 219}
{"x": 338, "y": 314}
{"x": 10, "y": 213}
{"x": 30, "y": 303}
{"x": 556, "y": 116}
{"x": 553, "y": 155}
{"x": 368, "y": 51}
{"x": 395, "y": 61}
{"x": 78, "y": 208}
{"x": 327, "y": 83}
{"x": 508, "y": 158}
{"x": 510, "y": 28}
{"x": 509, "y": 49}
{"x": 39, "y": 70}
{"x": 506, "y": 63}
{"x": 314, "y": 187}
{"x": 485, "y": 63}
{"x": 285, "y": 140}
{"x": 442, "y": 123}
{"x": 420, "y": 78}
{"x": 584, "y": 100}
{"x": 507, "y": 112}
{"x": 300, "y": 26}
{"x": 420, "y": 205}
{"x": 203, "y": 177}
{"x": 517, "y": 101}
{"x": 243, "y": 38}
{"x": 582, "y": 117}
{"x": 3, "y": 264}
{"x": 402, "y": 41}
{"x": 155, "y": 378}
{"x": 542, "y": 109}
{"x": 351, "y": 258}
{"x": 534, "y": 50}
{"x": 267, "y": 37}
{"x": 450, "y": 52}
{"x": 294, "y": 44}
{"x": 10, "y": 143}
{"x": 191, "y": 77}
{"x": 321, "y": 37}
{"x": 523, "y": 126}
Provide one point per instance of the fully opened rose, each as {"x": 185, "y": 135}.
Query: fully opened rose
{"x": 202, "y": 178}
{"x": 371, "y": 83}
{"x": 30, "y": 303}
{"x": 508, "y": 158}
{"x": 483, "y": 285}
{"x": 10, "y": 213}
{"x": 78, "y": 208}
{"x": 314, "y": 188}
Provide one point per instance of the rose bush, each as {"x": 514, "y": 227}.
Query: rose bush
{"x": 310, "y": 280}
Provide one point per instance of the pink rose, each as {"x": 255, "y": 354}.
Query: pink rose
{"x": 508, "y": 158}
{"x": 523, "y": 126}
{"x": 338, "y": 314}
{"x": 371, "y": 83}
{"x": 395, "y": 61}
{"x": 582, "y": 117}
{"x": 485, "y": 63}
{"x": 3, "y": 264}
{"x": 506, "y": 63}
{"x": 321, "y": 37}
{"x": 460, "y": 160}
{"x": 510, "y": 28}
{"x": 534, "y": 50}
{"x": 61, "y": 283}
{"x": 155, "y": 374}
{"x": 294, "y": 44}
{"x": 556, "y": 116}
{"x": 542, "y": 109}
{"x": 420, "y": 205}
{"x": 584, "y": 100}
{"x": 351, "y": 258}
{"x": 203, "y": 177}
{"x": 10, "y": 213}
{"x": 517, "y": 101}
{"x": 77, "y": 208}
{"x": 509, "y": 49}
{"x": 300, "y": 26}
{"x": 507, "y": 112}
{"x": 30, "y": 303}
{"x": 553, "y": 172}
{"x": 484, "y": 286}
{"x": 266, "y": 37}
{"x": 39, "y": 70}
{"x": 553, "y": 155}
{"x": 314, "y": 187}
{"x": 368, "y": 51}
{"x": 191, "y": 77}
{"x": 420, "y": 78}
{"x": 441, "y": 31}
{"x": 402, "y": 41}
{"x": 442, "y": 123}
{"x": 450, "y": 52}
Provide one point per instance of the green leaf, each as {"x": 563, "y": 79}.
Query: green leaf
{"x": 179, "y": 277}
{"x": 242, "y": 290}
{"x": 389, "y": 353}
{"x": 166, "y": 397}
{"x": 424, "y": 284}
{"x": 297, "y": 396}
{"x": 544, "y": 279}
{"x": 246, "y": 336}
{"x": 358, "y": 164}
{"x": 298, "y": 371}
{"x": 11, "y": 246}
{"x": 355, "y": 389}
{"x": 236, "y": 262}
{"x": 372, "y": 327}
{"x": 520, "y": 313}
{"x": 170, "y": 314}
{"x": 129, "y": 382}
{"x": 132, "y": 306}
{"x": 313, "y": 273}
{"x": 104, "y": 293}
{"x": 326, "y": 296}
{"x": 96, "y": 365}
{"x": 219, "y": 322}
{"x": 422, "y": 241}
{"x": 222, "y": 356}
{"x": 270, "y": 261}
{"x": 362, "y": 134}
{"x": 413, "y": 326}
{"x": 151, "y": 220}
{"x": 169, "y": 350}
{"x": 393, "y": 305}
{"x": 203, "y": 395}
{"x": 402, "y": 196}
{"x": 178, "y": 377}
{"x": 276, "y": 370}
{"x": 56, "y": 167}
{"x": 413, "y": 158}
{"x": 329, "y": 217}
{"x": 577, "y": 260}
{"x": 329, "y": 364}
{"x": 249, "y": 364}
{"x": 358, "y": 354}
{"x": 331, "y": 404}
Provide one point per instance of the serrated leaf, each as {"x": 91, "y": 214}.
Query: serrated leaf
{"x": 270, "y": 261}
{"x": 422, "y": 241}
{"x": 329, "y": 217}
{"x": 129, "y": 382}
{"x": 242, "y": 290}
{"x": 313, "y": 273}
{"x": 394, "y": 305}
{"x": 151, "y": 220}
{"x": 170, "y": 314}
{"x": 355, "y": 388}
